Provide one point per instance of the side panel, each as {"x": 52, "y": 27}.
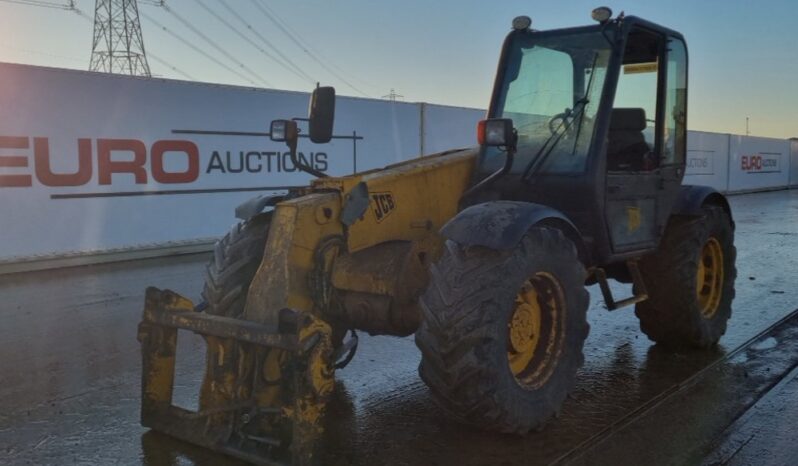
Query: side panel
{"x": 411, "y": 201}
{"x": 707, "y": 160}
{"x": 758, "y": 163}
{"x": 631, "y": 213}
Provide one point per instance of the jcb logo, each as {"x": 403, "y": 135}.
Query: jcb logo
{"x": 634, "y": 219}
{"x": 383, "y": 205}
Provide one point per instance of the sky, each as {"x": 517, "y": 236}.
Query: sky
{"x": 743, "y": 54}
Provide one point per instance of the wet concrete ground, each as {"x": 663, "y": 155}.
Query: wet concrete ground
{"x": 70, "y": 368}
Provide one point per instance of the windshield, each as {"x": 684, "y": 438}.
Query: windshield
{"x": 551, "y": 91}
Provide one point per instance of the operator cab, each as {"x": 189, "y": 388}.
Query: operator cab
{"x": 599, "y": 113}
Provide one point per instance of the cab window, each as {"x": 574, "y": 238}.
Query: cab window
{"x": 632, "y": 140}
{"x": 674, "y": 138}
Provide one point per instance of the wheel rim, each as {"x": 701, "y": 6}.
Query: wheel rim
{"x": 709, "y": 280}
{"x": 536, "y": 330}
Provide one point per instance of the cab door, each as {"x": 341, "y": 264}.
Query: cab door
{"x": 644, "y": 169}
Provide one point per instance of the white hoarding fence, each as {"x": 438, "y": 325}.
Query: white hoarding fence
{"x": 707, "y": 159}
{"x": 757, "y": 163}
{"x": 91, "y": 162}
{"x": 448, "y": 127}
{"x": 794, "y": 162}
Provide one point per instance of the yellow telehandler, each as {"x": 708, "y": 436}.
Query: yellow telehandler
{"x": 483, "y": 253}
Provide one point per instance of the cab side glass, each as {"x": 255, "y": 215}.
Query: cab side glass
{"x": 675, "y": 127}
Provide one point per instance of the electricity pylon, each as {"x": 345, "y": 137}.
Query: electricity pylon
{"x": 118, "y": 46}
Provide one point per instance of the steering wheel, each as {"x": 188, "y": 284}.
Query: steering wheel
{"x": 560, "y": 119}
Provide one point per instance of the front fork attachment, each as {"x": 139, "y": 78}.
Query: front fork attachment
{"x": 265, "y": 387}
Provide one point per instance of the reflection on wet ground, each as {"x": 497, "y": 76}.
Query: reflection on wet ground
{"x": 70, "y": 365}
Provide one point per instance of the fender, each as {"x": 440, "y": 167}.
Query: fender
{"x": 254, "y": 206}
{"x": 500, "y": 225}
{"x": 692, "y": 198}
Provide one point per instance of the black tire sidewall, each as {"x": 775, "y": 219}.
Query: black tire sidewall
{"x": 716, "y": 226}
{"x": 560, "y": 264}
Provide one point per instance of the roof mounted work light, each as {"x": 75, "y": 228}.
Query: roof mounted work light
{"x": 601, "y": 14}
{"x": 522, "y": 23}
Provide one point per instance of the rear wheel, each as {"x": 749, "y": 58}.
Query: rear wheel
{"x": 690, "y": 281}
{"x": 502, "y": 331}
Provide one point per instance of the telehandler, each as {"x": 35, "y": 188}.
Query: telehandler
{"x": 483, "y": 253}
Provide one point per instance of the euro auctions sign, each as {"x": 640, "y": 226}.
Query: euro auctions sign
{"x": 92, "y": 162}
{"x": 36, "y": 163}
{"x": 166, "y": 161}
{"x": 757, "y": 163}
{"x": 763, "y": 162}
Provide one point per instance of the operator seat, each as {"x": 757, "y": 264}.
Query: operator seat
{"x": 626, "y": 146}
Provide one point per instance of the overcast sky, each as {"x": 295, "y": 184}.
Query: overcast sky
{"x": 744, "y": 54}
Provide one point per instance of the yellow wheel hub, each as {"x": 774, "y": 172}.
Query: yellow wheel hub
{"x": 709, "y": 279}
{"x": 524, "y": 328}
{"x": 535, "y": 330}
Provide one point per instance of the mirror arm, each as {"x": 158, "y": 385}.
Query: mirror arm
{"x": 489, "y": 180}
{"x": 301, "y": 166}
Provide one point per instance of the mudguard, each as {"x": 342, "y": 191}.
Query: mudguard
{"x": 254, "y": 206}
{"x": 692, "y": 198}
{"x": 500, "y": 225}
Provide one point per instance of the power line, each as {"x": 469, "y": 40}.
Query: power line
{"x": 197, "y": 49}
{"x": 291, "y": 36}
{"x": 171, "y": 66}
{"x": 57, "y": 6}
{"x": 307, "y": 48}
{"x": 250, "y": 41}
{"x": 263, "y": 39}
{"x": 214, "y": 44}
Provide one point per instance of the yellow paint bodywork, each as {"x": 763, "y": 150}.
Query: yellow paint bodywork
{"x": 425, "y": 192}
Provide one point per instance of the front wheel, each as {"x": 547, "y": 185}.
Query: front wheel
{"x": 502, "y": 331}
{"x": 690, "y": 281}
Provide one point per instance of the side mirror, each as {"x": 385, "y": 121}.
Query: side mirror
{"x": 321, "y": 114}
{"x": 497, "y": 132}
{"x": 284, "y": 131}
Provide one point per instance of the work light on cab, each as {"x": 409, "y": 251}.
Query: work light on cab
{"x": 601, "y": 14}
{"x": 495, "y": 132}
{"x": 522, "y": 23}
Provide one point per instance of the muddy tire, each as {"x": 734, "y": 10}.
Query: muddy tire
{"x": 236, "y": 258}
{"x": 474, "y": 313}
{"x": 690, "y": 281}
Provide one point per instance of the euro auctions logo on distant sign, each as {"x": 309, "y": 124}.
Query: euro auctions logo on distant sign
{"x": 762, "y": 162}
{"x": 137, "y": 163}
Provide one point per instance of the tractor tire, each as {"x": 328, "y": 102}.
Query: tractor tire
{"x": 502, "y": 332}
{"x": 236, "y": 258}
{"x": 690, "y": 282}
